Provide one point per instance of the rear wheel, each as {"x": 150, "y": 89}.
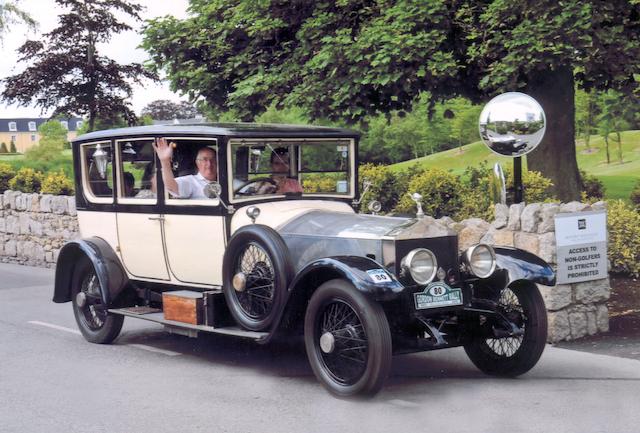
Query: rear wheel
{"x": 514, "y": 355}
{"x": 94, "y": 322}
{"x": 347, "y": 339}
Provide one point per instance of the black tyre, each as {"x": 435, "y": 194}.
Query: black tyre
{"x": 347, "y": 339}
{"x": 513, "y": 356}
{"x": 94, "y": 322}
{"x": 256, "y": 271}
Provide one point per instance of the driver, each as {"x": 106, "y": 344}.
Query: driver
{"x": 280, "y": 171}
{"x": 192, "y": 185}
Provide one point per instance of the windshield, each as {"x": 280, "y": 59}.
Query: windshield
{"x": 291, "y": 167}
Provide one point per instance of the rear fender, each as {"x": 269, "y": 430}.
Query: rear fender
{"x": 109, "y": 270}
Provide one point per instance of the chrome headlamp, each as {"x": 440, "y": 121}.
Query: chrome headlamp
{"x": 480, "y": 260}
{"x": 421, "y": 264}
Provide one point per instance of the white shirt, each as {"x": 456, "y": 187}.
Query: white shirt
{"x": 191, "y": 186}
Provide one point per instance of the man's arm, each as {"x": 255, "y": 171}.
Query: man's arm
{"x": 164, "y": 151}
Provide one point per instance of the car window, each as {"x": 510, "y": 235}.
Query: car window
{"x": 97, "y": 172}
{"x": 136, "y": 171}
{"x": 278, "y": 167}
{"x": 187, "y": 155}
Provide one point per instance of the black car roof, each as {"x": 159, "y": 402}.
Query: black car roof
{"x": 249, "y": 130}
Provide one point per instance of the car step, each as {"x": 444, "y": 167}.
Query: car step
{"x": 187, "y": 328}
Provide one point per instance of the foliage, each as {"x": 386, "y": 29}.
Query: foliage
{"x": 611, "y": 120}
{"x": 10, "y": 13}
{"x": 624, "y": 237}
{"x": 12, "y": 148}
{"x": 587, "y": 110}
{"x": 66, "y": 71}
{"x": 592, "y": 187}
{"x": 26, "y": 180}
{"x": 164, "y": 109}
{"x": 349, "y": 59}
{"x": 635, "y": 195}
{"x": 53, "y": 134}
{"x": 6, "y": 174}
{"x": 384, "y": 187}
{"x": 441, "y": 194}
{"x": 57, "y": 183}
{"x": 3, "y": 148}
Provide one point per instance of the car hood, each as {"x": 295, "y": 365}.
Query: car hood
{"x": 360, "y": 226}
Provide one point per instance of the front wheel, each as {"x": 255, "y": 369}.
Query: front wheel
{"x": 347, "y": 339}
{"x": 514, "y": 355}
{"x": 94, "y": 322}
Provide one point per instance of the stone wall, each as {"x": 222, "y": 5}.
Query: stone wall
{"x": 574, "y": 310}
{"x": 34, "y": 227}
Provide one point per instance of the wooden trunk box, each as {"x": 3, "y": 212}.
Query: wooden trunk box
{"x": 183, "y": 306}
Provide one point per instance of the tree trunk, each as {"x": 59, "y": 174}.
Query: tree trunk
{"x": 555, "y": 157}
{"x": 619, "y": 147}
{"x": 606, "y": 146}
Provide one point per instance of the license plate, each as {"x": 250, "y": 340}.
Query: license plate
{"x": 437, "y": 294}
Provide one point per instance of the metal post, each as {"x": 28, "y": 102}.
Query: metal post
{"x": 517, "y": 180}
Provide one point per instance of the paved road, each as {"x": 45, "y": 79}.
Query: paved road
{"x": 51, "y": 380}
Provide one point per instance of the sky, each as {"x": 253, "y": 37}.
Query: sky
{"x": 121, "y": 48}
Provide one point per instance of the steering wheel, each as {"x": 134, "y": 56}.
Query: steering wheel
{"x": 254, "y": 185}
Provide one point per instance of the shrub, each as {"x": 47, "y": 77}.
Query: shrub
{"x": 6, "y": 174}
{"x": 383, "y": 187}
{"x": 3, "y": 147}
{"x": 592, "y": 187}
{"x": 57, "y": 183}
{"x": 318, "y": 183}
{"x": 12, "y": 148}
{"x": 441, "y": 194}
{"x": 624, "y": 237}
{"x": 26, "y": 180}
{"x": 635, "y": 195}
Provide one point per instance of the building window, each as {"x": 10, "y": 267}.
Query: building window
{"x": 65, "y": 124}
{"x": 78, "y": 124}
{"x": 33, "y": 137}
{"x": 32, "y": 126}
{"x": 14, "y": 138}
{"x": 13, "y": 126}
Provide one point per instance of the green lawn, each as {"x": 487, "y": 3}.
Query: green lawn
{"x": 617, "y": 178}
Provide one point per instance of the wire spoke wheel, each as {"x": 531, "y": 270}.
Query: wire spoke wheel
{"x": 92, "y": 315}
{"x": 511, "y": 308}
{"x": 347, "y": 359}
{"x": 96, "y": 324}
{"x": 256, "y": 300}
{"x": 513, "y": 355}
{"x": 347, "y": 339}
{"x": 256, "y": 270}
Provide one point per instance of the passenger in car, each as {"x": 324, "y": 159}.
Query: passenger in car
{"x": 148, "y": 184}
{"x": 280, "y": 168}
{"x": 192, "y": 185}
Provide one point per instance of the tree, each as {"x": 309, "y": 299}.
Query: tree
{"x": 163, "y": 109}
{"x": 53, "y": 137}
{"x": 351, "y": 58}
{"x": 12, "y": 147}
{"x": 67, "y": 72}
{"x": 10, "y": 13}
{"x": 586, "y": 113}
{"x": 612, "y": 120}
{"x": 3, "y": 148}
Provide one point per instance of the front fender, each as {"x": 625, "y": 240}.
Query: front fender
{"x": 515, "y": 264}
{"x": 109, "y": 270}
{"x": 354, "y": 269}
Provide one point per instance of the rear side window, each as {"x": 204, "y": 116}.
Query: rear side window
{"x": 137, "y": 171}
{"x": 97, "y": 172}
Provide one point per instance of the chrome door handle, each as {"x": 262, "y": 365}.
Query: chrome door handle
{"x": 160, "y": 218}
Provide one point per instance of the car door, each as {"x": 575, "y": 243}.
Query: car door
{"x": 194, "y": 229}
{"x": 140, "y": 242}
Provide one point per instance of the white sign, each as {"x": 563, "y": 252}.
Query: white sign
{"x": 581, "y": 242}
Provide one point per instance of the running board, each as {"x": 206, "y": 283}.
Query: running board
{"x": 190, "y": 330}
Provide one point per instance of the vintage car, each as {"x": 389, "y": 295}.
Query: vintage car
{"x": 246, "y": 259}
